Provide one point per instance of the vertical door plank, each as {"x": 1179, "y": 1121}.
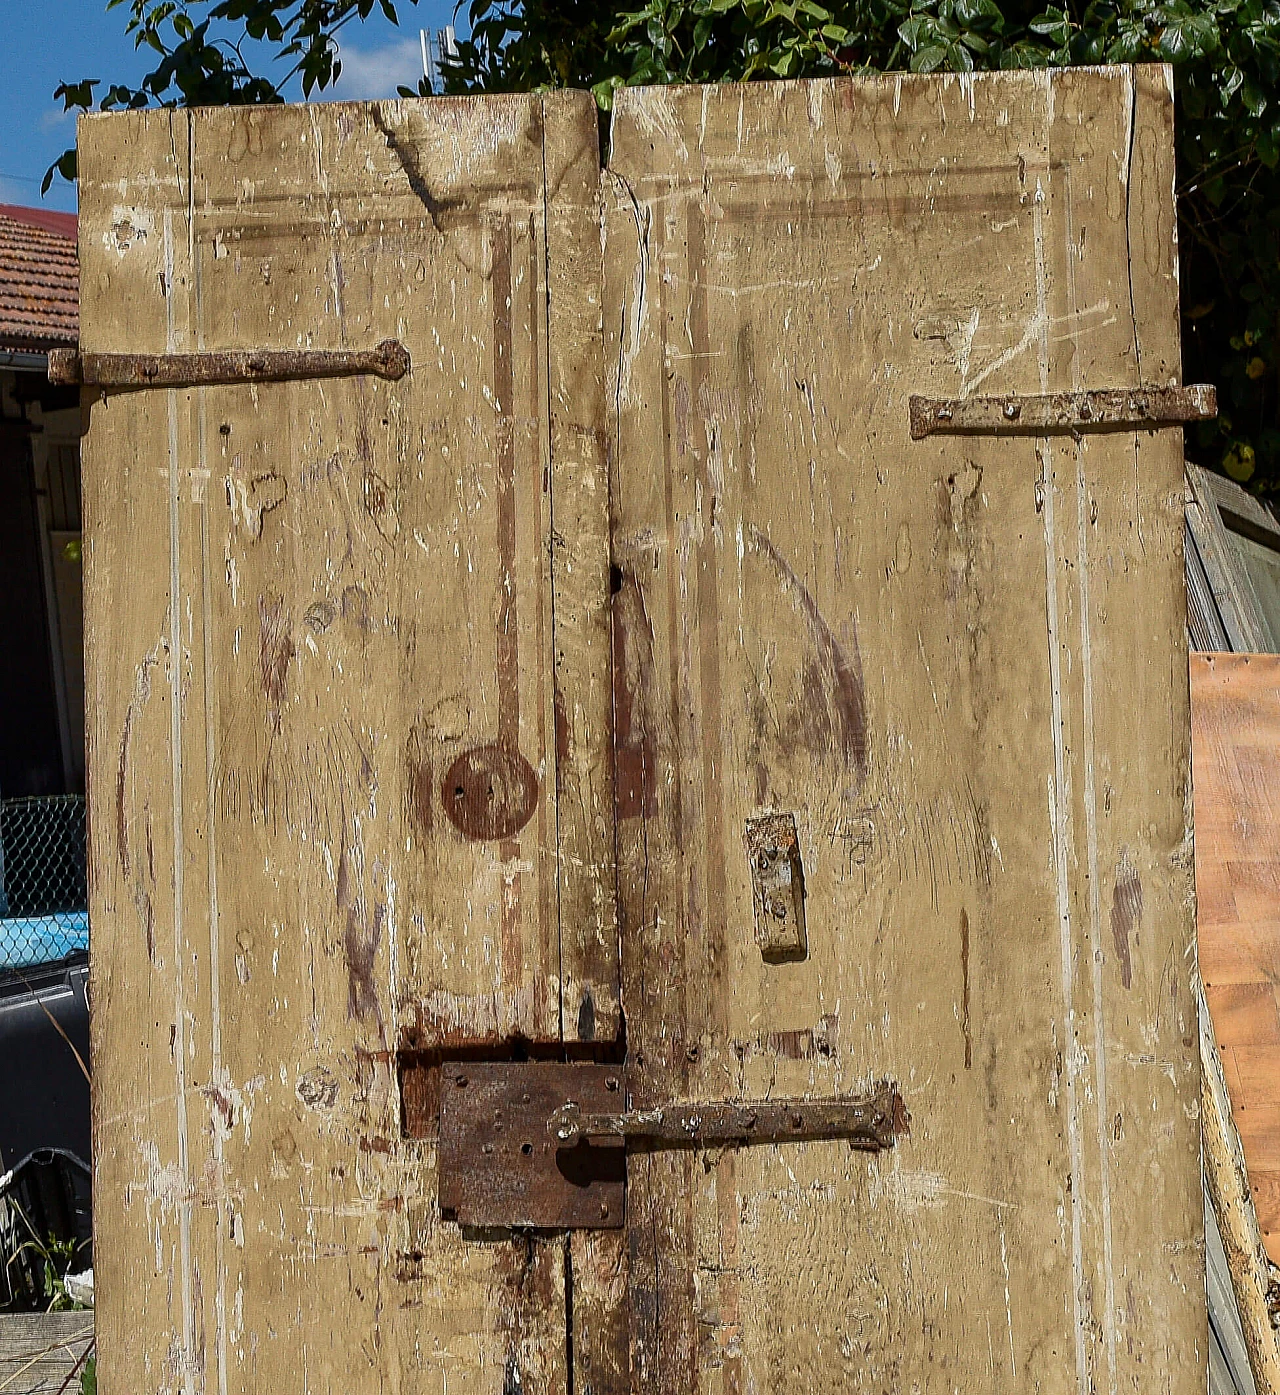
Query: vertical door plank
{"x": 959, "y": 665}
{"x": 580, "y": 573}
{"x": 318, "y": 611}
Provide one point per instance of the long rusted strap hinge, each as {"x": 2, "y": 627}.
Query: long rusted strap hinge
{"x": 870, "y": 1122}
{"x": 1063, "y": 413}
{"x": 544, "y": 1144}
{"x": 389, "y": 360}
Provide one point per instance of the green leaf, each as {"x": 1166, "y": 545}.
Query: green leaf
{"x": 603, "y": 92}
{"x": 1253, "y": 97}
{"x": 928, "y": 60}
{"x": 1054, "y": 24}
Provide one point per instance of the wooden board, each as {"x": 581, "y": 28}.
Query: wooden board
{"x": 305, "y": 602}
{"x": 40, "y": 1351}
{"x": 960, "y": 665}
{"x": 1235, "y": 722}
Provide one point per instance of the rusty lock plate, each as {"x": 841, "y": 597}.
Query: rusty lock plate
{"x": 500, "y": 1165}
{"x": 542, "y": 1144}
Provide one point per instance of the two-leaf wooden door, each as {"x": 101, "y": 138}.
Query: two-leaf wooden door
{"x": 440, "y": 719}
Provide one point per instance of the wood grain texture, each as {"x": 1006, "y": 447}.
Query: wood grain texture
{"x": 38, "y": 1351}
{"x": 1235, "y": 1204}
{"x": 325, "y": 621}
{"x": 943, "y": 658}
{"x": 1235, "y": 716}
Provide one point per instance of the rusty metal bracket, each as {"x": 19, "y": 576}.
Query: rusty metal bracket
{"x": 1063, "y": 413}
{"x": 870, "y": 1122}
{"x": 543, "y": 1144}
{"x": 777, "y": 886}
{"x": 389, "y": 360}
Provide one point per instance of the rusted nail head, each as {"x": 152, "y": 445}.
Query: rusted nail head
{"x": 604, "y": 1210}
{"x": 611, "y": 1082}
{"x": 395, "y": 358}
{"x": 461, "y": 1082}
{"x": 1012, "y": 411}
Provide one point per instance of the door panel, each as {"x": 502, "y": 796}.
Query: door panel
{"x": 356, "y": 701}
{"x": 339, "y": 741}
{"x": 960, "y": 665}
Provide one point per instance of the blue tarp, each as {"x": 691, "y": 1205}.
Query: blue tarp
{"x": 42, "y": 939}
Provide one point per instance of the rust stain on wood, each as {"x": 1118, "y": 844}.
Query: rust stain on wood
{"x": 632, "y": 683}
{"x": 842, "y": 671}
{"x": 964, "y": 992}
{"x": 275, "y": 652}
{"x": 490, "y": 792}
{"x": 508, "y": 656}
{"x": 1126, "y": 913}
{"x": 419, "y": 793}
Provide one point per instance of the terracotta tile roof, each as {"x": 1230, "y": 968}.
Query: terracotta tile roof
{"x": 39, "y": 279}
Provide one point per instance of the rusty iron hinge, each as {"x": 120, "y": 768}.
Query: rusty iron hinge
{"x": 1063, "y": 413}
{"x": 389, "y": 360}
{"x": 543, "y": 1145}
{"x": 867, "y": 1123}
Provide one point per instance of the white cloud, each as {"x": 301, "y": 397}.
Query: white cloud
{"x": 54, "y": 117}
{"x": 369, "y": 74}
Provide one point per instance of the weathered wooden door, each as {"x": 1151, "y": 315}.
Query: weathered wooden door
{"x": 328, "y": 620}
{"x": 366, "y": 800}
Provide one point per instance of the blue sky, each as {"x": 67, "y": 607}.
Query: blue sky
{"x": 43, "y": 42}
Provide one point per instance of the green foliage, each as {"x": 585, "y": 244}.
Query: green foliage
{"x": 89, "y": 1376}
{"x": 57, "y": 1258}
{"x": 1225, "y": 56}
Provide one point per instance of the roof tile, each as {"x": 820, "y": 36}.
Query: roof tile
{"x": 39, "y": 279}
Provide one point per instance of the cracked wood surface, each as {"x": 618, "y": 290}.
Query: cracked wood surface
{"x": 961, "y": 664}
{"x": 349, "y": 738}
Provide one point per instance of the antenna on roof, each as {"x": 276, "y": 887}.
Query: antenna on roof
{"x": 440, "y": 49}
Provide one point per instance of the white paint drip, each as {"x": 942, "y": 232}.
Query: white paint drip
{"x": 1008, "y": 1303}
{"x": 1091, "y": 842}
{"x": 1059, "y": 811}
{"x": 179, "y": 855}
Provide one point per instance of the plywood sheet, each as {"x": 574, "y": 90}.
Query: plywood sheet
{"x": 1235, "y": 721}
{"x": 959, "y": 664}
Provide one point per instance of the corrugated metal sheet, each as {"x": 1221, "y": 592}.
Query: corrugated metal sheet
{"x": 39, "y": 279}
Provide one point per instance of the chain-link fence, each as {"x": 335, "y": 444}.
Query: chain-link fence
{"x": 43, "y": 900}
